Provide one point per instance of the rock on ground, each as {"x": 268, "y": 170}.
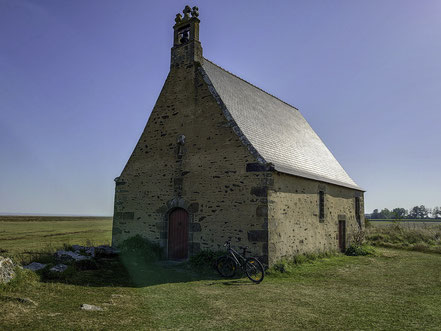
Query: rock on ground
{"x": 85, "y": 306}
{"x": 68, "y": 256}
{"x": 7, "y": 272}
{"x": 27, "y": 301}
{"x": 34, "y": 266}
{"x": 59, "y": 268}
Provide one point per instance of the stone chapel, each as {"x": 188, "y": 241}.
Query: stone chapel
{"x": 222, "y": 159}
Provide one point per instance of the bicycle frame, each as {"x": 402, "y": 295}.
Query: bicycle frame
{"x": 236, "y": 256}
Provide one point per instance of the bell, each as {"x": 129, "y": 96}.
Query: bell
{"x": 184, "y": 37}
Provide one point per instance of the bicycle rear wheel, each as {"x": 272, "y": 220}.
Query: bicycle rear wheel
{"x": 254, "y": 270}
{"x": 226, "y": 266}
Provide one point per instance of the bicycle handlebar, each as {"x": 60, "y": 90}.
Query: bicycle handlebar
{"x": 228, "y": 245}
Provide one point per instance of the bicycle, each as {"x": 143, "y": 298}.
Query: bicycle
{"x": 228, "y": 264}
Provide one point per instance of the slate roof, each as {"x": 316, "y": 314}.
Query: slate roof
{"x": 276, "y": 130}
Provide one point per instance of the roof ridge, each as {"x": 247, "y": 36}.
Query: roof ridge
{"x": 257, "y": 87}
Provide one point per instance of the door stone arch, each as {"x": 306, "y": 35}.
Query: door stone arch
{"x": 193, "y": 226}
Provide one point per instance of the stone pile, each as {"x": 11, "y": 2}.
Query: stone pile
{"x": 69, "y": 256}
{"x": 102, "y": 251}
{"x": 78, "y": 253}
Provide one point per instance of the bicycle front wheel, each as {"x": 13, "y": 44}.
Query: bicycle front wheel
{"x": 226, "y": 266}
{"x": 254, "y": 270}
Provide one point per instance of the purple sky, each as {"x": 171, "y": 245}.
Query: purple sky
{"x": 78, "y": 80}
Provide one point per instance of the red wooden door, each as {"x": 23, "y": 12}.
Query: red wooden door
{"x": 342, "y": 235}
{"x": 178, "y": 234}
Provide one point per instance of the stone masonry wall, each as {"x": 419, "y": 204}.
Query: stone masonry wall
{"x": 294, "y": 226}
{"x": 212, "y": 174}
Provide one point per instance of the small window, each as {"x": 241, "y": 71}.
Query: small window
{"x": 321, "y": 206}
{"x": 357, "y": 211}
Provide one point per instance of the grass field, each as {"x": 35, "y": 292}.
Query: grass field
{"x": 416, "y": 236}
{"x": 396, "y": 290}
{"x": 417, "y": 223}
{"x": 31, "y": 233}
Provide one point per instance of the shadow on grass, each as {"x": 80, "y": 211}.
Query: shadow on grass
{"x": 129, "y": 271}
{"x": 238, "y": 282}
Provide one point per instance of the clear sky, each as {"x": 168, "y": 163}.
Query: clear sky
{"x": 78, "y": 80}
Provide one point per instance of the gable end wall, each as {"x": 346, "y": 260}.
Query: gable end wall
{"x": 217, "y": 180}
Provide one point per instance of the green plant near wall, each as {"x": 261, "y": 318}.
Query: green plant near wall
{"x": 358, "y": 245}
{"x": 360, "y": 250}
{"x": 288, "y": 265}
{"x": 205, "y": 259}
{"x": 141, "y": 248}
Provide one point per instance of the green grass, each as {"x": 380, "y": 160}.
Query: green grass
{"x": 410, "y": 223}
{"x": 395, "y": 290}
{"x": 35, "y": 233}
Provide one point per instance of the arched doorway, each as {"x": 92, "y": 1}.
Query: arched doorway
{"x": 178, "y": 234}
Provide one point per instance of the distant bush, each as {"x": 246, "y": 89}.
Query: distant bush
{"x": 139, "y": 247}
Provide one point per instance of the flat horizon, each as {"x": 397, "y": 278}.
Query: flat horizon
{"x": 53, "y": 215}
